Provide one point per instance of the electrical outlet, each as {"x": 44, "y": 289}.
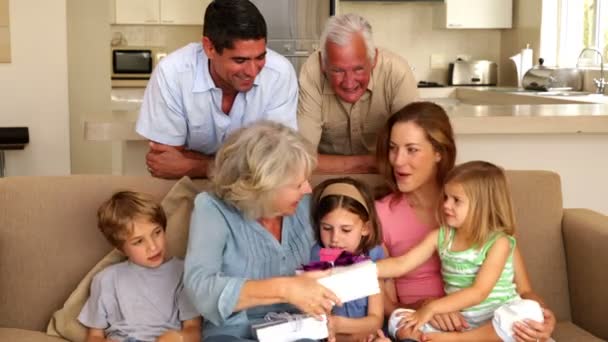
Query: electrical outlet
{"x": 438, "y": 61}
{"x": 464, "y": 57}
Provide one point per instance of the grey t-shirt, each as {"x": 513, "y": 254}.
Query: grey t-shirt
{"x": 128, "y": 300}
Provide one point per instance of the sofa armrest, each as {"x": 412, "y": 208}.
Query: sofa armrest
{"x": 586, "y": 244}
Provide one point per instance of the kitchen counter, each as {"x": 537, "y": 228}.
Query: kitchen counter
{"x": 529, "y": 119}
{"x": 472, "y": 110}
{"x": 515, "y": 131}
{"x": 498, "y": 110}
{"x": 466, "y": 119}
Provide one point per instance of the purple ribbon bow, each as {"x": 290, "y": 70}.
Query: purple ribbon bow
{"x": 344, "y": 259}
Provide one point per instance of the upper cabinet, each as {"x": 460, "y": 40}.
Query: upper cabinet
{"x": 474, "y": 14}
{"x": 137, "y": 11}
{"x": 160, "y": 12}
{"x": 5, "y": 36}
{"x": 183, "y": 12}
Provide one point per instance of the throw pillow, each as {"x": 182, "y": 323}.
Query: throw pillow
{"x": 178, "y": 204}
{"x": 64, "y": 322}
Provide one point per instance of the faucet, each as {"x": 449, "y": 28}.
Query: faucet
{"x": 600, "y": 83}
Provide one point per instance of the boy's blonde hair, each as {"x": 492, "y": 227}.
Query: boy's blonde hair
{"x": 116, "y": 216}
{"x": 490, "y": 207}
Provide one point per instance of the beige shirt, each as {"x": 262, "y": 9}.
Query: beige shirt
{"x": 338, "y": 127}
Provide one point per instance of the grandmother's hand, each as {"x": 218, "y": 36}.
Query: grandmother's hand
{"x": 309, "y": 296}
{"x": 529, "y": 330}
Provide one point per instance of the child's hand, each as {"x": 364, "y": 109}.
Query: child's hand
{"x": 418, "y": 318}
{"x": 379, "y": 337}
{"x": 331, "y": 328}
{"x": 171, "y": 336}
{"x": 411, "y": 333}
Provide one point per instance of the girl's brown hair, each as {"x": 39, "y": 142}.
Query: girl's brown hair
{"x": 323, "y": 206}
{"x": 490, "y": 207}
{"x": 437, "y": 128}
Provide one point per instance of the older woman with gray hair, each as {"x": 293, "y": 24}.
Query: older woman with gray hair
{"x": 250, "y": 233}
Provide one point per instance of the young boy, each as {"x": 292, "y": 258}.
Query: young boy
{"x": 141, "y": 299}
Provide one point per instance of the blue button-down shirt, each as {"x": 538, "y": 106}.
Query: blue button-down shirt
{"x": 182, "y": 105}
{"x": 225, "y": 250}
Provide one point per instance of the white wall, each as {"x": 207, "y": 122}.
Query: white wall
{"x": 34, "y": 87}
{"x": 579, "y": 159}
{"x": 88, "y": 33}
{"x": 527, "y": 16}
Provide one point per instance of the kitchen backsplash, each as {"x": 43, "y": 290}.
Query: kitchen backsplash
{"x": 165, "y": 36}
{"x": 404, "y": 27}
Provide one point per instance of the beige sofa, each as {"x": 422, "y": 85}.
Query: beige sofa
{"x": 48, "y": 242}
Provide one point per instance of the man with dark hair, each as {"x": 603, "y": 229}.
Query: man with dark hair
{"x": 201, "y": 93}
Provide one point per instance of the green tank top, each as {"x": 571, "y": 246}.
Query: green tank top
{"x": 459, "y": 270}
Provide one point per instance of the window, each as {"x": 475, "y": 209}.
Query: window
{"x": 581, "y": 24}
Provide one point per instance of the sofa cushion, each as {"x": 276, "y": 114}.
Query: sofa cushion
{"x": 20, "y": 335}
{"x": 64, "y": 322}
{"x": 48, "y": 239}
{"x": 538, "y": 215}
{"x": 568, "y": 331}
{"x": 178, "y": 204}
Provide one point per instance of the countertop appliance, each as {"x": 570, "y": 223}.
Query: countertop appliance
{"x": 12, "y": 138}
{"x": 429, "y": 84}
{"x": 134, "y": 62}
{"x": 295, "y": 26}
{"x": 543, "y": 78}
{"x": 473, "y": 73}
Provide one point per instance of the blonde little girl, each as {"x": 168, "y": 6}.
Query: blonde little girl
{"x": 475, "y": 244}
{"x": 344, "y": 219}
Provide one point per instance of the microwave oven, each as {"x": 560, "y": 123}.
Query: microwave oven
{"x": 134, "y": 63}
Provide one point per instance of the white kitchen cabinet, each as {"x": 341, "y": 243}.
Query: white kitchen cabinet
{"x": 137, "y": 11}
{"x": 160, "y": 12}
{"x": 183, "y": 12}
{"x": 474, "y": 14}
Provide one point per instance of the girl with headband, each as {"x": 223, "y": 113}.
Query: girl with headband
{"x": 344, "y": 219}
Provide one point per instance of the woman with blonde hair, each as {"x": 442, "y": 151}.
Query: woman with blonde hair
{"x": 416, "y": 150}
{"x": 250, "y": 233}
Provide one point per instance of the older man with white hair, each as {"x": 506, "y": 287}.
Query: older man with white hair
{"x": 347, "y": 91}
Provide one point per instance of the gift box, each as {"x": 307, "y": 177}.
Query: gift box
{"x": 347, "y": 270}
{"x": 354, "y": 281}
{"x": 285, "y": 327}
